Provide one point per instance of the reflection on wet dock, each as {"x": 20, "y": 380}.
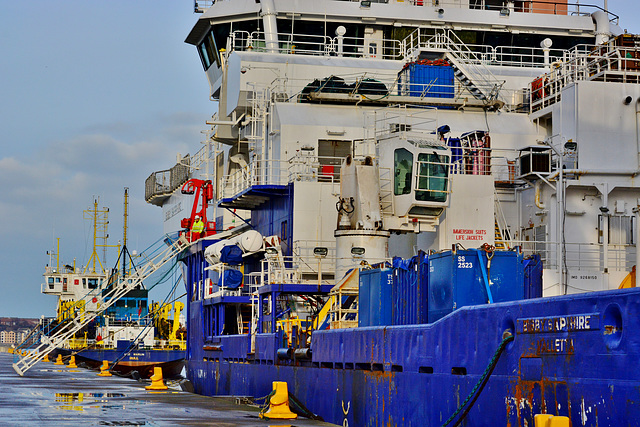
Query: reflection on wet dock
{"x": 61, "y": 396}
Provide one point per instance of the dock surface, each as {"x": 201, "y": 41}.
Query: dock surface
{"x": 61, "y": 396}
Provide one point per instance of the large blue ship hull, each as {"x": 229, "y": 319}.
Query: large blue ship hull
{"x": 574, "y": 356}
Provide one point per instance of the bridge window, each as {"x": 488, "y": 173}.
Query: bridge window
{"x": 208, "y": 51}
{"x": 403, "y": 160}
{"x": 431, "y": 185}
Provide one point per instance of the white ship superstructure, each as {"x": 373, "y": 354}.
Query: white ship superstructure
{"x": 533, "y": 142}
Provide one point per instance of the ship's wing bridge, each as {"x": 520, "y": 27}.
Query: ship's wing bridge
{"x": 97, "y": 301}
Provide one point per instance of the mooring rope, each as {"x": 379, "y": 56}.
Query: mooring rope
{"x": 480, "y": 384}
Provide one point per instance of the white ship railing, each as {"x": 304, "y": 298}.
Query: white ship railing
{"x": 462, "y": 56}
{"x": 586, "y": 256}
{"x": 478, "y": 54}
{"x": 301, "y": 167}
{"x": 201, "y": 6}
{"x": 313, "y": 44}
{"x": 301, "y": 268}
{"x": 405, "y": 123}
{"x": 583, "y": 63}
{"x": 507, "y": 7}
{"x": 501, "y": 164}
{"x": 264, "y": 172}
{"x": 310, "y": 44}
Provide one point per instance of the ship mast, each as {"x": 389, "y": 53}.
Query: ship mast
{"x": 100, "y": 221}
{"x": 124, "y": 232}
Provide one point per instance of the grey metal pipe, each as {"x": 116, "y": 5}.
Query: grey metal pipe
{"x": 270, "y": 25}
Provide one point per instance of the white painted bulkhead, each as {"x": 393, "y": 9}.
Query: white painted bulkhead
{"x": 590, "y": 230}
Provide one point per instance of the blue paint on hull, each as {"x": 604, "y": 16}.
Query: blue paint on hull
{"x": 572, "y": 355}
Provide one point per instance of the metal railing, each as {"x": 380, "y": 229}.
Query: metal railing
{"x": 465, "y": 59}
{"x": 507, "y": 7}
{"x": 314, "y": 44}
{"x": 201, "y": 6}
{"x": 583, "y": 63}
{"x": 301, "y": 167}
{"x": 265, "y": 172}
{"x": 402, "y": 122}
{"x": 588, "y": 256}
{"x": 163, "y": 183}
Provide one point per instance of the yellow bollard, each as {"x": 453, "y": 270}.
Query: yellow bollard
{"x": 156, "y": 380}
{"x": 558, "y": 422}
{"x": 46, "y": 358}
{"x": 72, "y": 362}
{"x": 59, "y": 360}
{"x": 104, "y": 369}
{"x": 540, "y": 420}
{"x": 279, "y": 403}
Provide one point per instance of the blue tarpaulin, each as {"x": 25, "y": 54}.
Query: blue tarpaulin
{"x": 231, "y": 279}
{"x": 231, "y": 254}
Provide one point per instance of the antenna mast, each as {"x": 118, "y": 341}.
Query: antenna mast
{"x": 100, "y": 220}
{"x": 124, "y": 236}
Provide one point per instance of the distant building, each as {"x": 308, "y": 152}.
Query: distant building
{"x": 21, "y": 335}
{"x": 7, "y": 337}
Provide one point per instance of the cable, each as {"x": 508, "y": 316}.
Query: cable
{"x": 132, "y": 347}
{"x": 480, "y": 384}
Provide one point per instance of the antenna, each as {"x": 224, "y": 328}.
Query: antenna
{"x": 100, "y": 220}
{"x": 124, "y": 232}
{"x": 126, "y": 215}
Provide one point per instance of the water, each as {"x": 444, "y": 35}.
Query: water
{"x": 60, "y": 396}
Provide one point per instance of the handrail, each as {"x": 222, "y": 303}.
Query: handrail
{"x": 501, "y": 221}
{"x": 580, "y": 255}
{"x": 508, "y": 7}
{"x": 314, "y": 44}
{"x": 468, "y": 60}
{"x": 584, "y": 63}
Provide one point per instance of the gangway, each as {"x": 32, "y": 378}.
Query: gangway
{"x": 33, "y": 336}
{"x": 96, "y": 302}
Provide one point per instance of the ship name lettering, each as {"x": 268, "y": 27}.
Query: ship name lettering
{"x": 555, "y": 346}
{"x": 573, "y": 323}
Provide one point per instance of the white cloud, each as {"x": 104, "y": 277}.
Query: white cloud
{"x": 44, "y": 194}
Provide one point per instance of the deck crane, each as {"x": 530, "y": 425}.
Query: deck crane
{"x": 203, "y": 190}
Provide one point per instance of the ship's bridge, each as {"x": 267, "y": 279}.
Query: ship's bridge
{"x": 70, "y": 283}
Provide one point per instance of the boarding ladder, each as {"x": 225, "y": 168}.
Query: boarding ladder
{"x": 33, "y": 337}
{"x": 503, "y": 240}
{"x": 96, "y": 302}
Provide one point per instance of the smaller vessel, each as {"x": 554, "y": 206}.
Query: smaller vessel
{"x": 132, "y": 335}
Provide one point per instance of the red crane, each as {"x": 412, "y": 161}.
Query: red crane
{"x": 203, "y": 190}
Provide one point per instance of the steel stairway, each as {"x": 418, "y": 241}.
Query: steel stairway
{"x": 468, "y": 66}
{"x": 96, "y": 302}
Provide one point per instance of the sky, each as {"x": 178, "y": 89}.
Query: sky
{"x": 94, "y": 97}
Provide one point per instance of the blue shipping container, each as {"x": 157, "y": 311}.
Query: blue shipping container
{"x": 374, "y": 300}
{"x": 458, "y": 279}
{"x": 409, "y": 290}
{"x": 427, "y": 80}
{"x": 533, "y": 277}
